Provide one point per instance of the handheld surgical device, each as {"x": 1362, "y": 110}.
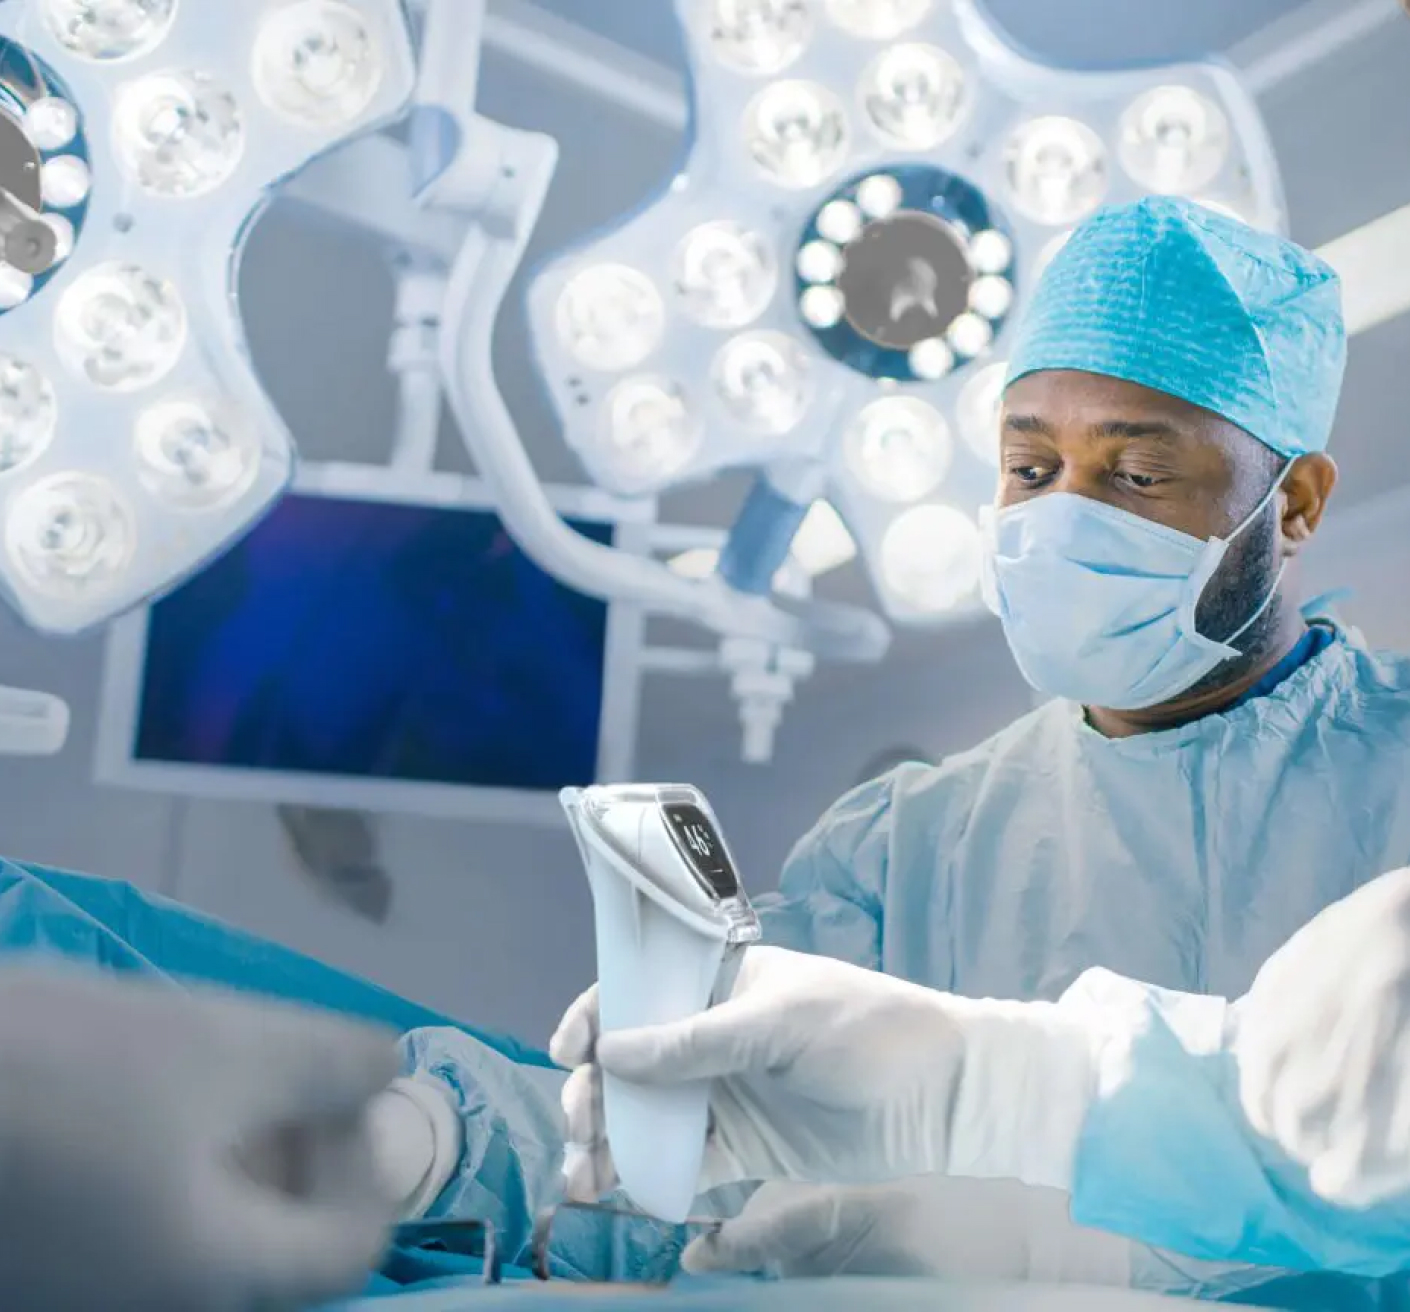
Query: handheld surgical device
{"x": 672, "y": 924}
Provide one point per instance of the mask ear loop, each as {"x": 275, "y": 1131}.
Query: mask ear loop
{"x": 1214, "y": 555}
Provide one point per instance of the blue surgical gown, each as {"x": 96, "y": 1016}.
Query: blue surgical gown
{"x": 1182, "y": 859}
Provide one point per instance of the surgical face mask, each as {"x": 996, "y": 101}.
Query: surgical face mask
{"x": 1098, "y": 605}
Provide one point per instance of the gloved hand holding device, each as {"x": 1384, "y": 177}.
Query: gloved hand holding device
{"x": 823, "y": 1071}
{"x": 190, "y": 1152}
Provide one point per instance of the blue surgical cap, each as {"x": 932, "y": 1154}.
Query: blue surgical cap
{"x": 1175, "y": 297}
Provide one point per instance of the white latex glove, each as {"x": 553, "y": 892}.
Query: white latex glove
{"x": 182, "y": 1152}
{"x": 826, "y": 1072}
{"x": 933, "y": 1227}
{"x": 1323, "y": 1045}
{"x": 417, "y": 1139}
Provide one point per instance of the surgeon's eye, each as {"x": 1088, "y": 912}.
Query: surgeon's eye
{"x": 1141, "y": 482}
{"x": 1029, "y": 475}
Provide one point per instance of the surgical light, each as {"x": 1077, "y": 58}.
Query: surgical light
{"x": 878, "y": 20}
{"x": 188, "y": 458}
{"x": 121, "y": 327}
{"x": 70, "y": 533}
{"x": 759, "y": 36}
{"x": 914, "y": 96}
{"x": 178, "y": 134}
{"x": 930, "y": 558}
{"x": 762, "y": 379}
{"x": 822, "y": 307}
{"x": 66, "y": 182}
{"x": 931, "y": 359}
{"x": 51, "y": 123}
{"x": 879, "y": 196}
{"x": 725, "y": 275}
{"x": 898, "y": 178}
{"x": 29, "y": 414}
{"x": 109, "y": 30}
{"x": 991, "y": 252}
{"x": 318, "y": 63}
{"x": 15, "y": 286}
{"x": 899, "y": 448}
{"x": 819, "y": 262}
{"x": 650, "y": 433}
{"x": 611, "y": 317}
{"x": 990, "y": 297}
{"x": 1057, "y": 170}
{"x": 797, "y": 133}
{"x": 141, "y": 139}
{"x": 978, "y": 409}
{"x": 1172, "y": 139}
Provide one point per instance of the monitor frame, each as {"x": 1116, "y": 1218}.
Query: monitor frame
{"x": 117, "y": 765}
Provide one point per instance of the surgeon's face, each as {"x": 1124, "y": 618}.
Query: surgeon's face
{"x": 1167, "y": 461}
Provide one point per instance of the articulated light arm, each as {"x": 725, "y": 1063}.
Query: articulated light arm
{"x": 501, "y": 177}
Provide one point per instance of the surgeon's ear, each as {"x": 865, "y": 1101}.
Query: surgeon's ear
{"x": 1306, "y": 488}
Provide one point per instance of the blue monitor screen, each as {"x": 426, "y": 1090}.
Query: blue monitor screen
{"x": 379, "y": 641}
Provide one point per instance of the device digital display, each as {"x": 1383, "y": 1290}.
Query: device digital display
{"x": 378, "y": 640}
{"x": 698, "y": 842}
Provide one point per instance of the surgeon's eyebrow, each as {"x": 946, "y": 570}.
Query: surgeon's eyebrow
{"x": 1027, "y": 424}
{"x": 1149, "y": 429}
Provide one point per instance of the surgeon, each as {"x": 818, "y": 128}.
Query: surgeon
{"x": 1212, "y": 771}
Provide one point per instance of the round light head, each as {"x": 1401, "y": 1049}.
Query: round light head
{"x": 931, "y": 360}
{"x": 16, "y": 286}
{"x": 797, "y": 133}
{"x": 120, "y": 327}
{"x": 1174, "y": 140}
{"x": 969, "y": 335}
{"x": 29, "y": 414}
{"x": 1056, "y": 170}
{"x": 978, "y": 411}
{"x": 880, "y": 196}
{"x": 840, "y": 221}
{"x": 649, "y": 432}
{"x": 106, "y": 30}
{"x": 914, "y": 96}
{"x": 822, "y": 306}
{"x": 67, "y": 182}
{"x": 819, "y": 261}
{"x": 189, "y": 460}
{"x": 725, "y": 275}
{"x": 178, "y": 134}
{"x": 52, "y": 123}
{"x": 64, "y": 236}
{"x": 763, "y": 381}
{"x": 318, "y": 63}
{"x": 69, "y": 534}
{"x": 899, "y": 449}
{"x": 877, "y": 20}
{"x": 990, "y": 252}
{"x": 931, "y": 558}
{"x": 610, "y": 317}
{"x": 991, "y": 297}
{"x": 758, "y": 37}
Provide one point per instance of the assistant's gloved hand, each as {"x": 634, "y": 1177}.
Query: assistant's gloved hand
{"x": 1323, "y": 1045}
{"x": 823, "y": 1071}
{"x": 182, "y": 1152}
{"x": 932, "y": 1227}
{"x": 417, "y": 1139}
